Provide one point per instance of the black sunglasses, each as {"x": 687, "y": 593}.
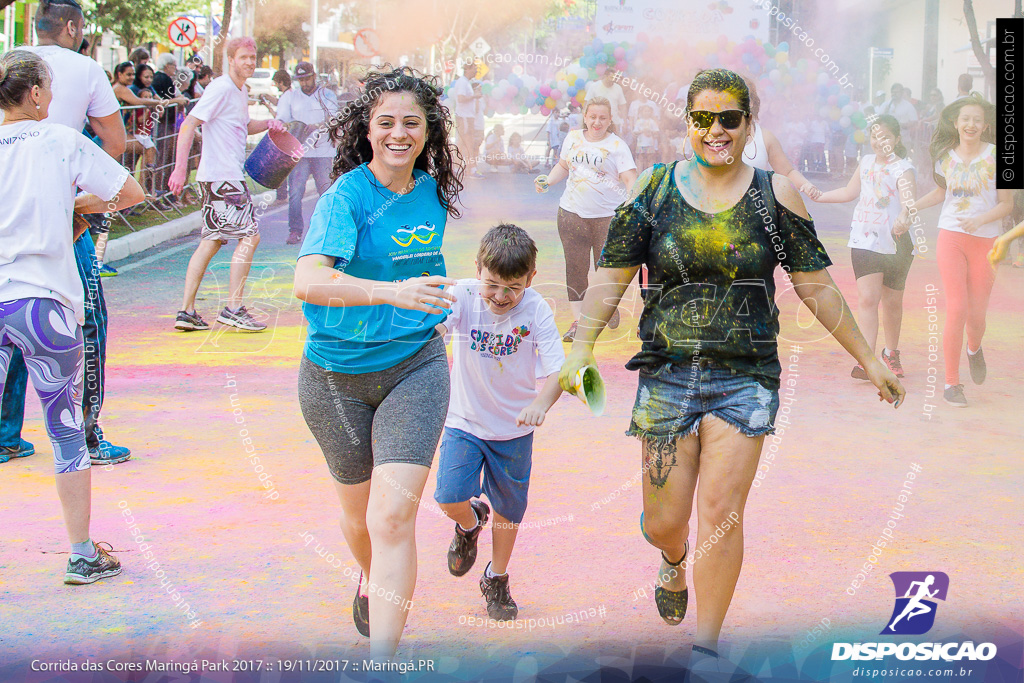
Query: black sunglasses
{"x": 730, "y": 118}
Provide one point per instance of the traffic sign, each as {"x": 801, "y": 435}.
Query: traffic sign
{"x": 479, "y": 47}
{"x": 367, "y": 43}
{"x": 182, "y": 32}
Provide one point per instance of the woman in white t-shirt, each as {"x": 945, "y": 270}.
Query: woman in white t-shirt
{"x": 881, "y": 248}
{"x": 599, "y": 171}
{"x": 42, "y": 304}
{"x": 970, "y": 222}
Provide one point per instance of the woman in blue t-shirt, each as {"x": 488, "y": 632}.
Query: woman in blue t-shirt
{"x": 373, "y": 380}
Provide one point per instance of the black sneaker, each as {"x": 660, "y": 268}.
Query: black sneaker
{"x": 978, "y": 368}
{"x": 189, "y": 322}
{"x": 240, "y": 319}
{"x": 500, "y": 605}
{"x": 462, "y": 551}
{"x": 858, "y": 372}
{"x": 361, "y": 610}
{"x": 82, "y": 571}
{"x": 954, "y": 396}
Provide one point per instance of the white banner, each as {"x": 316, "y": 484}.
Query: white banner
{"x": 689, "y": 20}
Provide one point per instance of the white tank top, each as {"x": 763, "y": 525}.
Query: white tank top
{"x": 756, "y": 152}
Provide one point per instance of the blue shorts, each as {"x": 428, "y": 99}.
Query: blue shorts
{"x": 672, "y": 399}
{"x": 506, "y": 471}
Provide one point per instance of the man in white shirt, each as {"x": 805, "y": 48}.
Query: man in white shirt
{"x": 311, "y": 104}
{"x": 898, "y": 106}
{"x": 609, "y": 89}
{"x": 228, "y": 213}
{"x": 81, "y": 92}
{"x": 465, "y": 117}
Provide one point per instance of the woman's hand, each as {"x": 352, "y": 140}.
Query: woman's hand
{"x": 889, "y": 387}
{"x": 1000, "y": 250}
{"x": 902, "y": 223}
{"x": 425, "y": 294}
{"x": 811, "y": 191}
{"x": 577, "y": 358}
{"x": 970, "y": 225}
{"x": 541, "y": 184}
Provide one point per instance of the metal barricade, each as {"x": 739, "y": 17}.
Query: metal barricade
{"x": 152, "y": 137}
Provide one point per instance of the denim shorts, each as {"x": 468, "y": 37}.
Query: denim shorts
{"x": 672, "y": 399}
{"x": 505, "y": 466}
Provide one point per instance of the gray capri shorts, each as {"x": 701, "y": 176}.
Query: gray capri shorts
{"x": 365, "y": 420}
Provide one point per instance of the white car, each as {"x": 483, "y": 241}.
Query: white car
{"x": 262, "y": 83}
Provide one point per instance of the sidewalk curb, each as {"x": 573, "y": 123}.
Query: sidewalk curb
{"x": 123, "y": 247}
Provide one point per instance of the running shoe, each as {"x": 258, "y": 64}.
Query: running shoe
{"x": 361, "y": 610}
{"x": 954, "y": 396}
{"x": 294, "y": 238}
{"x": 108, "y": 454}
{"x": 978, "y": 368}
{"x": 892, "y": 361}
{"x": 462, "y": 551}
{"x": 189, "y": 322}
{"x": 570, "y": 334}
{"x": 240, "y": 319}
{"x": 22, "y": 450}
{"x": 82, "y": 570}
{"x": 107, "y": 271}
{"x": 858, "y": 372}
{"x": 500, "y": 605}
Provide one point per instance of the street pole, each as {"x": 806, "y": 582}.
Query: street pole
{"x": 313, "y": 21}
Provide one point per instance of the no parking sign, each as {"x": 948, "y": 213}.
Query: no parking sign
{"x": 182, "y": 32}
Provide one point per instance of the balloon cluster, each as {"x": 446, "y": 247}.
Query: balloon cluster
{"x": 660, "y": 61}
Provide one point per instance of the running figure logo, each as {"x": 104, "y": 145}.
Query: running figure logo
{"x": 914, "y": 613}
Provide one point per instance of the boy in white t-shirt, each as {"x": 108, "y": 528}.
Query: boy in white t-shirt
{"x": 504, "y": 339}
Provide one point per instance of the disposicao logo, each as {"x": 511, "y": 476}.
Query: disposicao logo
{"x": 913, "y": 615}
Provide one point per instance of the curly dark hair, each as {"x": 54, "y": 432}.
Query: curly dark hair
{"x": 350, "y": 126}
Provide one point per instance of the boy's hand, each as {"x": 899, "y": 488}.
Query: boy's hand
{"x": 532, "y": 415}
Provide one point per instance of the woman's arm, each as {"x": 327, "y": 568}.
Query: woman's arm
{"x": 317, "y": 282}
{"x": 996, "y": 213}
{"x": 936, "y": 196}
{"x": 607, "y": 286}
{"x": 130, "y": 194}
{"x": 842, "y": 194}
{"x": 780, "y": 163}
{"x": 557, "y": 174}
{"x": 907, "y": 192}
{"x": 821, "y": 295}
{"x": 125, "y": 94}
{"x": 1001, "y": 247}
{"x": 629, "y": 177}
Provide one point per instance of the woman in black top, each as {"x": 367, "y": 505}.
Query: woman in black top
{"x": 711, "y": 231}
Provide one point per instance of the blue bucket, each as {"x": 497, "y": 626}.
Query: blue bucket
{"x": 274, "y": 158}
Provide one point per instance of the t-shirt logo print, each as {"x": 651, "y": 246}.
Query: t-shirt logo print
{"x": 914, "y": 612}
{"x": 414, "y": 234}
{"x": 496, "y": 344}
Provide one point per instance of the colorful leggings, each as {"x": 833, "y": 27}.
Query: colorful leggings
{"x": 51, "y": 340}
{"x": 582, "y": 239}
{"x": 967, "y": 278}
